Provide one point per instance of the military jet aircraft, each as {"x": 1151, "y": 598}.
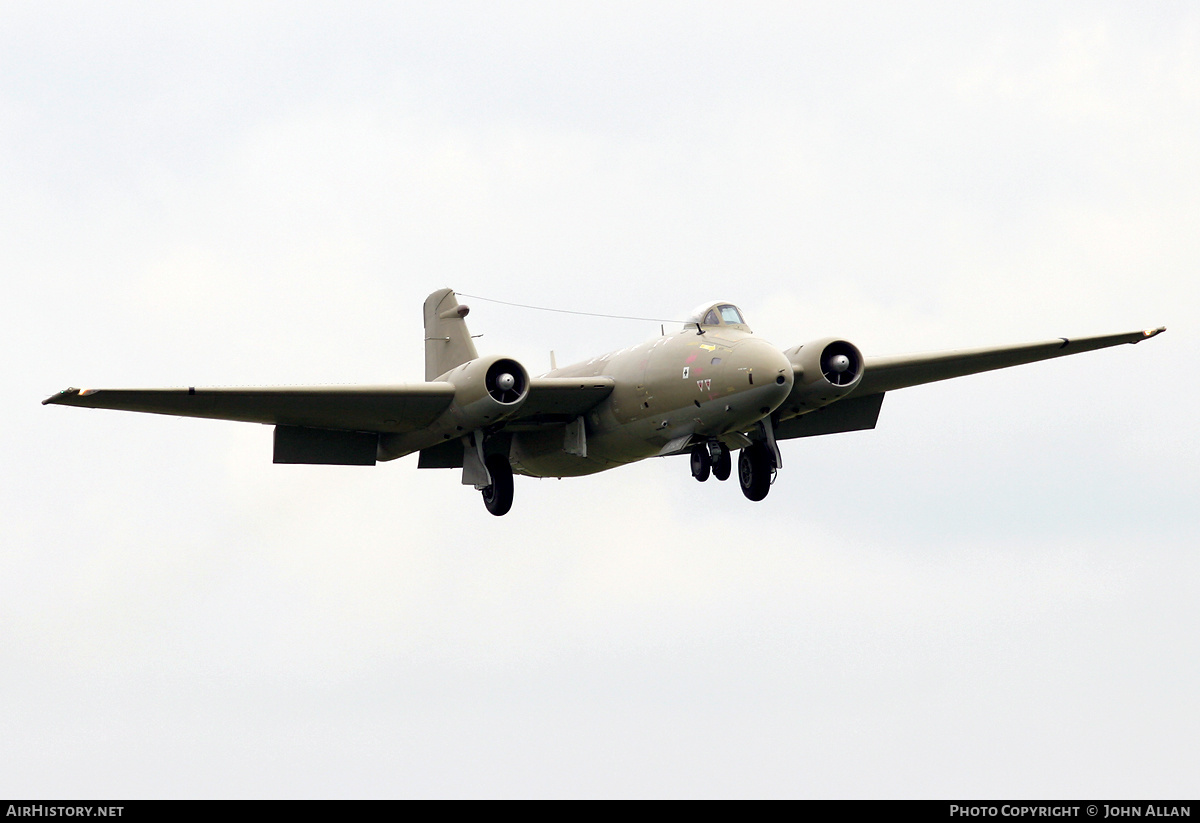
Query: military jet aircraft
{"x": 704, "y": 390}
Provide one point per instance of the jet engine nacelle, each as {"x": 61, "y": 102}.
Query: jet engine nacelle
{"x": 825, "y": 370}
{"x": 486, "y": 390}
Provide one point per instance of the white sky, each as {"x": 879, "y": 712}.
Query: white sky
{"x": 993, "y": 594}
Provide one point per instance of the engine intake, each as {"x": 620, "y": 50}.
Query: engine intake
{"x": 825, "y": 370}
{"x": 507, "y": 382}
{"x": 841, "y": 363}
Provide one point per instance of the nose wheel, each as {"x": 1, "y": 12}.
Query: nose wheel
{"x": 722, "y": 463}
{"x": 701, "y": 462}
{"x": 711, "y": 458}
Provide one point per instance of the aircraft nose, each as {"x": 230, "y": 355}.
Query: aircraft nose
{"x": 768, "y": 373}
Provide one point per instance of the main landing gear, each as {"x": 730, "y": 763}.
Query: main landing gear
{"x": 711, "y": 457}
{"x": 498, "y": 497}
{"x": 756, "y": 470}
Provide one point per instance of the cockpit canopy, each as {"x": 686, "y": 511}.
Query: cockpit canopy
{"x": 717, "y": 314}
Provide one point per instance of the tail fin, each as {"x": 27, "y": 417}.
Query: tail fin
{"x": 447, "y": 341}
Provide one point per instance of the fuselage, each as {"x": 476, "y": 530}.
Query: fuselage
{"x": 708, "y": 382}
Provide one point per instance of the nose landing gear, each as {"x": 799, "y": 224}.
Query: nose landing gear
{"x": 722, "y": 463}
{"x": 711, "y": 457}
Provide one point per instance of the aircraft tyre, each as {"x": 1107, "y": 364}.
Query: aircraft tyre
{"x": 722, "y": 464}
{"x": 498, "y": 497}
{"x": 701, "y": 463}
{"x": 754, "y": 471}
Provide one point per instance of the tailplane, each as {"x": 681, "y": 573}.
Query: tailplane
{"x": 447, "y": 341}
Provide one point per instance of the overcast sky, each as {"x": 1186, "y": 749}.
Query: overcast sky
{"x": 996, "y": 593}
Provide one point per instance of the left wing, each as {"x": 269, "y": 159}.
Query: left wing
{"x": 882, "y": 374}
{"x": 859, "y": 409}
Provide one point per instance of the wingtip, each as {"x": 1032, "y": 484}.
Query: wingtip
{"x": 61, "y": 396}
{"x": 1148, "y": 333}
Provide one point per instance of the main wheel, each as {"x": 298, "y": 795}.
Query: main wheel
{"x": 722, "y": 463}
{"x": 498, "y": 497}
{"x": 754, "y": 471}
{"x": 701, "y": 463}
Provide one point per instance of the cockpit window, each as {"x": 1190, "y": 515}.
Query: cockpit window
{"x": 715, "y": 314}
{"x": 730, "y": 314}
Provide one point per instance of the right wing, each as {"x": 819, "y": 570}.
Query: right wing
{"x": 398, "y": 409}
{"x": 393, "y": 409}
{"x": 353, "y": 425}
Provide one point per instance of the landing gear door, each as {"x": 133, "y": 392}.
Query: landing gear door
{"x": 475, "y": 471}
